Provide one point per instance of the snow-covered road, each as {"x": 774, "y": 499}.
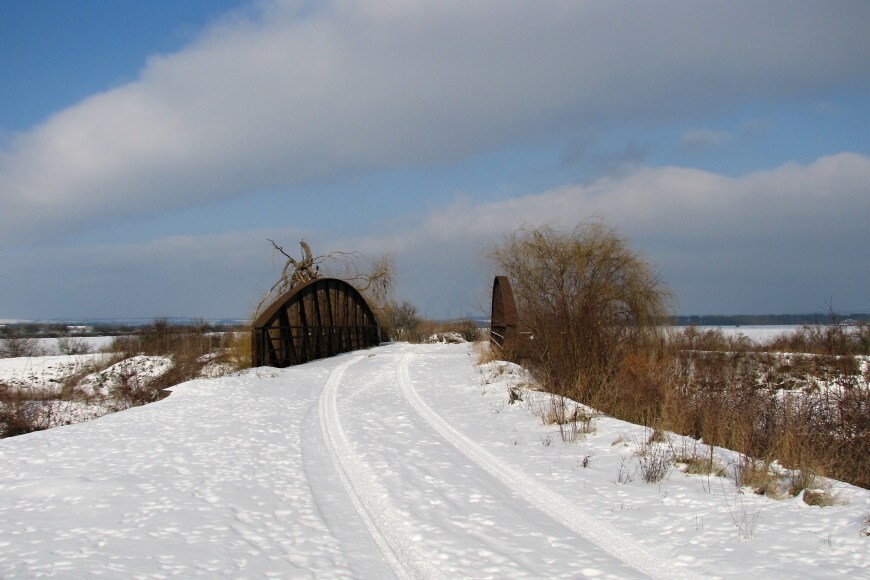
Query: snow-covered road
{"x": 436, "y": 503}
{"x": 368, "y": 465}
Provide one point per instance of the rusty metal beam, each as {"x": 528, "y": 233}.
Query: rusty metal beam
{"x": 317, "y": 319}
{"x": 503, "y": 333}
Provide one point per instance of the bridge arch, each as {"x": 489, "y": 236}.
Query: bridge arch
{"x": 318, "y": 319}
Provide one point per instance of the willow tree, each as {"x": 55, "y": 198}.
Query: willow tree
{"x": 372, "y": 277}
{"x": 585, "y": 301}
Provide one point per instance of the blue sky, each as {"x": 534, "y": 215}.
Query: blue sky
{"x": 149, "y": 149}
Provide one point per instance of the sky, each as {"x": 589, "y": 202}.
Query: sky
{"x": 148, "y": 151}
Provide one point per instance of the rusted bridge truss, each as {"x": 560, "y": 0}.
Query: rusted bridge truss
{"x": 318, "y": 319}
{"x": 503, "y": 325}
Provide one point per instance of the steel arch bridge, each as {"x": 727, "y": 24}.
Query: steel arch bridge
{"x": 317, "y": 319}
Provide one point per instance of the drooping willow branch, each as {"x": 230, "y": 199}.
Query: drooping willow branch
{"x": 375, "y": 282}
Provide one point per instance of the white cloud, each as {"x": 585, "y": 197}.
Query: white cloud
{"x": 288, "y": 97}
{"x": 782, "y": 240}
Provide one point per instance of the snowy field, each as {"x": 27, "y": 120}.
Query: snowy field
{"x": 42, "y": 376}
{"x": 760, "y": 333}
{"x": 401, "y": 461}
{"x": 96, "y": 343}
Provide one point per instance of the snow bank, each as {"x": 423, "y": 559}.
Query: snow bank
{"x": 402, "y": 460}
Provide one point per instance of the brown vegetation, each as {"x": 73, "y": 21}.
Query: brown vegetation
{"x": 592, "y": 308}
{"x": 192, "y": 349}
{"x": 585, "y": 301}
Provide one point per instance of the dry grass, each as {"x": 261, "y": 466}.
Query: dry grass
{"x": 190, "y": 348}
{"x": 819, "y": 497}
{"x": 700, "y": 465}
{"x": 744, "y": 402}
{"x": 18, "y": 414}
{"x": 483, "y": 353}
{"x": 237, "y": 349}
{"x": 574, "y": 421}
{"x": 758, "y": 476}
{"x": 808, "y": 411}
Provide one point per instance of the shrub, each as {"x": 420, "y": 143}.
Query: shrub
{"x": 190, "y": 347}
{"x": 811, "y": 413}
{"x": 655, "y": 461}
{"x": 819, "y": 497}
{"x": 826, "y": 340}
{"x": 19, "y": 346}
{"x": 70, "y": 345}
{"x": 586, "y": 299}
{"x": 20, "y": 414}
{"x": 401, "y": 322}
{"x": 591, "y": 306}
{"x": 573, "y": 420}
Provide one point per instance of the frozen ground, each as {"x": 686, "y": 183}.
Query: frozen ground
{"x": 50, "y": 345}
{"x": 758, "y": 333}
{"x": 402, "y": 461}
{"x": 43, "y": 376}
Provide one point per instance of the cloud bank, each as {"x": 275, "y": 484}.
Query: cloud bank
{"x": 298, "y": 94}
{"x": 781, "y": 240}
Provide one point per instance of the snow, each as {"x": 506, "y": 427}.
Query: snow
{"x": 94, "y": 343}
{"x": 43, "y": 376}
{"x": 134, "y": 373}
{"x": 756, "y": 333}
{"x": 398, "y": 461}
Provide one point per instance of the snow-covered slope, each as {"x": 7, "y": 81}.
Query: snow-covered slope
{"x": 398, "y": 461}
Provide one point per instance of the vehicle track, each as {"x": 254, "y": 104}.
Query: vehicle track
{"x": 554, "y": 505}
{"x": 370, "y": 499}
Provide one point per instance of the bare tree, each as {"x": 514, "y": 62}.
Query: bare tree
{"x": 373, "y": 278}
{"x": 585, "y": 299}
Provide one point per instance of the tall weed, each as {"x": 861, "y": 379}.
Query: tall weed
{"x": 809, "y": 411}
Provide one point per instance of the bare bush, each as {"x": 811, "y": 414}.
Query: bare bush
{"x": 19, "y": 346}
{"x": 655, "y": 461}
{"x": 401, "y": 322}
{"x": 20, "y": 414}
{"x": 70, "y": 345}
{"x": 586, "y": 299}
{"x": 626, "y": 471}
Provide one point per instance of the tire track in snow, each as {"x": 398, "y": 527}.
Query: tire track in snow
{"x": 369, "y": 498}
{"x": 554, "y": 505}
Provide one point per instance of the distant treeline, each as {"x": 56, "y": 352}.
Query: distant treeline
{"x": 115, "y": 327}
{"x": 107, "y": 327}
{"x": 767, "y": 319}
